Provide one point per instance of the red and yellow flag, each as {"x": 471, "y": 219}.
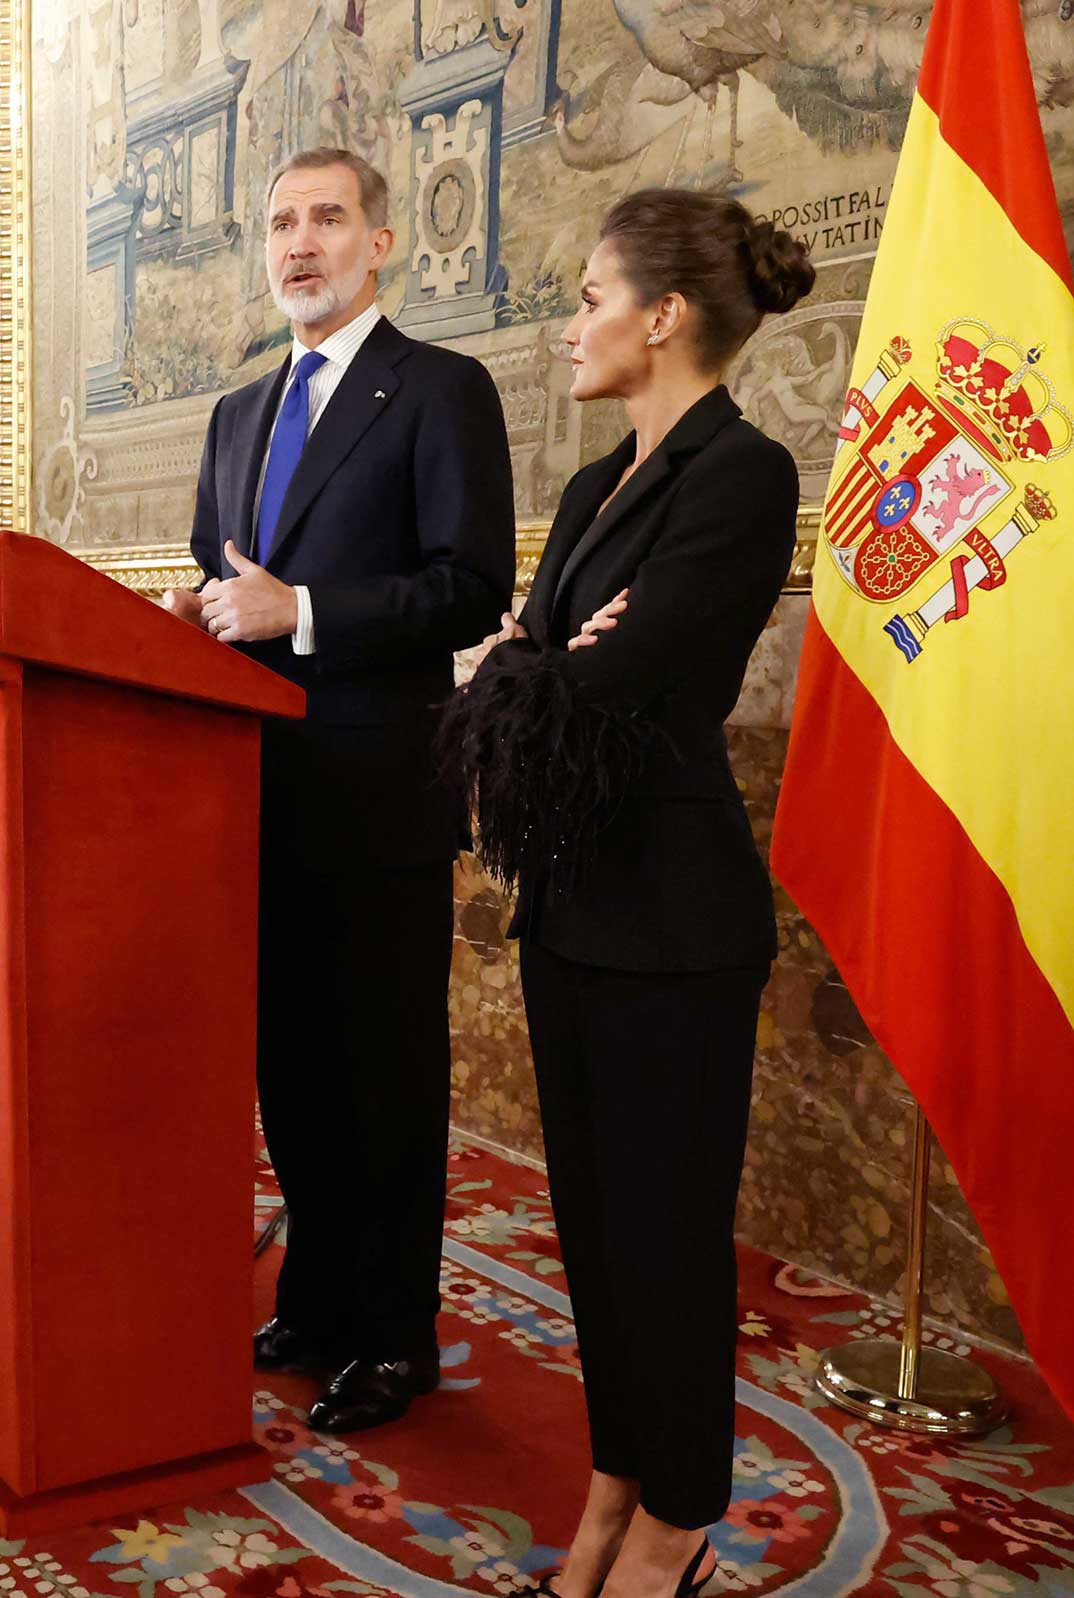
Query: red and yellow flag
{"x": 925, "y": 825}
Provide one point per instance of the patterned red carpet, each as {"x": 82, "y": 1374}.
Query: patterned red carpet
{"x": 479, "y": 1486}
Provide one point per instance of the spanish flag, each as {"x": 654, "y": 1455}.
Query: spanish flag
{"x": 926, "y": 820}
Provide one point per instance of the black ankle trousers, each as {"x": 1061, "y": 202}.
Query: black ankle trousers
{"x": 644, "y": 1083}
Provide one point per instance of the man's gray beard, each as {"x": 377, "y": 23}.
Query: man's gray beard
{"x": 313, "y": 306}
{"x": 308, "y": 305}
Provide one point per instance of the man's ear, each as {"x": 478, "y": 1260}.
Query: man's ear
{"x": 383, "y": 242}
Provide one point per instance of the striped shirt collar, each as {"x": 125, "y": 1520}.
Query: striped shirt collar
{"x": 343, "y": 345}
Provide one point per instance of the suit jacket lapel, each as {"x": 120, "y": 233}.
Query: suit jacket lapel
{"x": 691, "y": 432}
{"x": 576, "y": 511}
{"x": 251, "y": 441}
{"x": 364, "y": 393}
{"x": 648, "y": 476}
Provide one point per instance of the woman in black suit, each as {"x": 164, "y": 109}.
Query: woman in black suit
{"x": 593, "y": 735}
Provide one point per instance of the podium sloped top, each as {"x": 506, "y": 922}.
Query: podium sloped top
{"x": 56, "y": 611}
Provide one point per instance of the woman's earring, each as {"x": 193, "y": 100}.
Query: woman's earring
{"x": 654, "y": 338}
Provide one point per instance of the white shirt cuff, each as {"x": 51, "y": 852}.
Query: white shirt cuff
{"x": 303, "y": 641}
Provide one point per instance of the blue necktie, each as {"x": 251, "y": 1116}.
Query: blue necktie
{"x": 288, "y": 442}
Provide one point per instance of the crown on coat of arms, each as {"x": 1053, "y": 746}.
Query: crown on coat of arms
{"x": 996, "y": 391}
{"x": 1039, "y": 503}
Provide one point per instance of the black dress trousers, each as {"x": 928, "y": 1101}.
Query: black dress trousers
{"x": 644, "y": 1083}
{"x": 353, "y": 1044}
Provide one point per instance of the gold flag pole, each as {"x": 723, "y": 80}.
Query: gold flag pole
{"x": 15, "y": 236}
{"x": 906, "y": 1385}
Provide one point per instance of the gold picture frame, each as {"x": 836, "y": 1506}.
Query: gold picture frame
{"x": 16, "y": 322}
{"x": 150, "y": 569}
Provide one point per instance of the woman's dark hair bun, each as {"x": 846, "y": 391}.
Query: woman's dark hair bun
{"x": 709, "y": 248}
{"x": 781, "y": 271}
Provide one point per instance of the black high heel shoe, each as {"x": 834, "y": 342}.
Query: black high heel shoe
{"x": 697, "y": 1573}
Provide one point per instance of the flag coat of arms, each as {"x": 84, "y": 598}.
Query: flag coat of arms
{"x": 925, "y": 823}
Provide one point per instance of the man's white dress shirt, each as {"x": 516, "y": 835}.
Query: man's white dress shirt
{"x": 339, "y": 350}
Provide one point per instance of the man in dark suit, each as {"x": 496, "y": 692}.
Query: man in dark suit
{"x": 354, "y": 521}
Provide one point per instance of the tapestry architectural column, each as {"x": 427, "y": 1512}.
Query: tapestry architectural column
{"x": 111, "y": 215}
{"x": 454, "y": 98}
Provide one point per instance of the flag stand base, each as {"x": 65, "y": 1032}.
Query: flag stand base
{"x": 954, "y": 1397}
{"x": 905, "y": 1385}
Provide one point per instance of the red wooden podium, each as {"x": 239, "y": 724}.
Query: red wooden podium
{"x": 129, "y": 747}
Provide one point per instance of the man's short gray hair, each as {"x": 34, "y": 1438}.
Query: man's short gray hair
{"x": 372, "y": 189}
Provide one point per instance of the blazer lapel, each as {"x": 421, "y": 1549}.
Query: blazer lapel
{"x": 691, "y": 432}
{"x": 251, "y": 441}
{"x": 649, "y": 475}
{"x": 363, "y": 394}
{"x": 588, "y": 492}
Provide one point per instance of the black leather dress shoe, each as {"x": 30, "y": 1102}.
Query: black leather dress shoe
{"x": 365, "y": 1394}
{"x": 279, "y": 1347}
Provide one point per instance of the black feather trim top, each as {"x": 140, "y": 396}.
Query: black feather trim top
{"x": 545, "y": 769}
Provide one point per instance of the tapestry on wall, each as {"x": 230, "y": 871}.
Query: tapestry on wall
{"x": 506, "y": 128}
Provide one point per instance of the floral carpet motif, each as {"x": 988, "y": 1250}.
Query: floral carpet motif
{"x": 477, "y": 1489}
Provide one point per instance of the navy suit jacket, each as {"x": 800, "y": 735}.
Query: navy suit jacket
{"x": 399, "y": 519}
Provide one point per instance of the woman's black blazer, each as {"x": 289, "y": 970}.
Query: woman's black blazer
{"x": 602, "y": 774}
